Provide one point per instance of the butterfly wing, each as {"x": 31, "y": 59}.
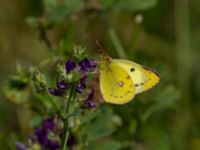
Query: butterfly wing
{"x": 143, "y": 77}
{"x": 116, "y": 85}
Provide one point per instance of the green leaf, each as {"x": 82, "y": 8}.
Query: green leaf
{"x": 62, "y": 10}
{"x": 134, "y": 5}
{"x": 35, "y": 121}
{"x": 17, "y": 96}
{"x": 167, "y": 97}
{"x": 96, "y": 124}
{"x": 107, "y": 4}
{"x": 74, "y": 5}
{"x": 111, "y": 145}
{"x": 33, "y": 22}
{"x": 98, "y": 132}
{"x": 128, "y": 5}
{"x": 164, "y": 99}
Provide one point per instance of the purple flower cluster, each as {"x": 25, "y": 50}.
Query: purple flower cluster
{"x": 42, "y": 135}
{"x": 84, "y": 66}
{"x": 59, "y": 91}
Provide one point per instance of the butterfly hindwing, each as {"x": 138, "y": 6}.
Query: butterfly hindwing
{"x": 116, "y": 85}
{"x": 143, "y": 77}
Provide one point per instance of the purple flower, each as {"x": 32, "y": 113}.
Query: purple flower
{"x": 62, "y": 85}
{"x": 88, "y": 102}
{"x": 87, "y": 65}
{"x": 55, "y": 92}
{"x": 70, "y": 65}
{"x": 81, "y": 85}
{"x": 42, "y": 135}
{"x": 20, "y": 146}
{"x": 49, "y": 124}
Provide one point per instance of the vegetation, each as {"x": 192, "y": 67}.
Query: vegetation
{"x": 41, "y": 37}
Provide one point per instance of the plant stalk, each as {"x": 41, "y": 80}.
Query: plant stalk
{"x": 65, "y": 120}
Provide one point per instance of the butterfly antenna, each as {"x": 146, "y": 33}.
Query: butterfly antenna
{"x": 101, "y": 51}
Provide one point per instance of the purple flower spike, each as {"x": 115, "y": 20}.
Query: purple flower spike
{"x": 62, "y": 85}
{"x": 88, "y": 102}
{"x": 70, "y": 65}
{"x": 81, "y": 85}
{"x": 87, "y": 65}
{"x": 55, "y": 92}
{"x": 21, "y": 146}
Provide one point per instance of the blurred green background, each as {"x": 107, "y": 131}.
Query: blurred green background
{"x": 161, "y": 34}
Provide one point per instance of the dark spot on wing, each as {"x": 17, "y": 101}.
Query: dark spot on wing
{"x": 128, "y": 77}
{"x": 150, "y": 70}
{"x": 132, "y": 69}
{"x": 136, "y": 85}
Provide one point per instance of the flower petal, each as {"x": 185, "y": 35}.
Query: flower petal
{"x": 70, "y": 65}
{"x": 55, "y": 92}
{"x": 81, "y": 85}
{"x": 62, "y": 85}
{"x": 87, "y": 65}
{"x": 88, "y": 102}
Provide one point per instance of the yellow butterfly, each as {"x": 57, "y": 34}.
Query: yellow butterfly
{"x": 121, "y": 80}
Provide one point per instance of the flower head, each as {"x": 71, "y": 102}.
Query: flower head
{"x": 87, "y": 65}
{"x": 70, "y": 65}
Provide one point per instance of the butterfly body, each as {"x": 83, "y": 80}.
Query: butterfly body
{"x": 121, "y": 80}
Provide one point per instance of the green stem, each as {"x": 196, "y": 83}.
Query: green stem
{"x": 54, "y": 104}
{"x": 71, "y": 95}
{"x": 133, "y": 41}
{"x": 65, "y": 134}
{"x": 65, "y": 120}
{"x": 116, "y": 42}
